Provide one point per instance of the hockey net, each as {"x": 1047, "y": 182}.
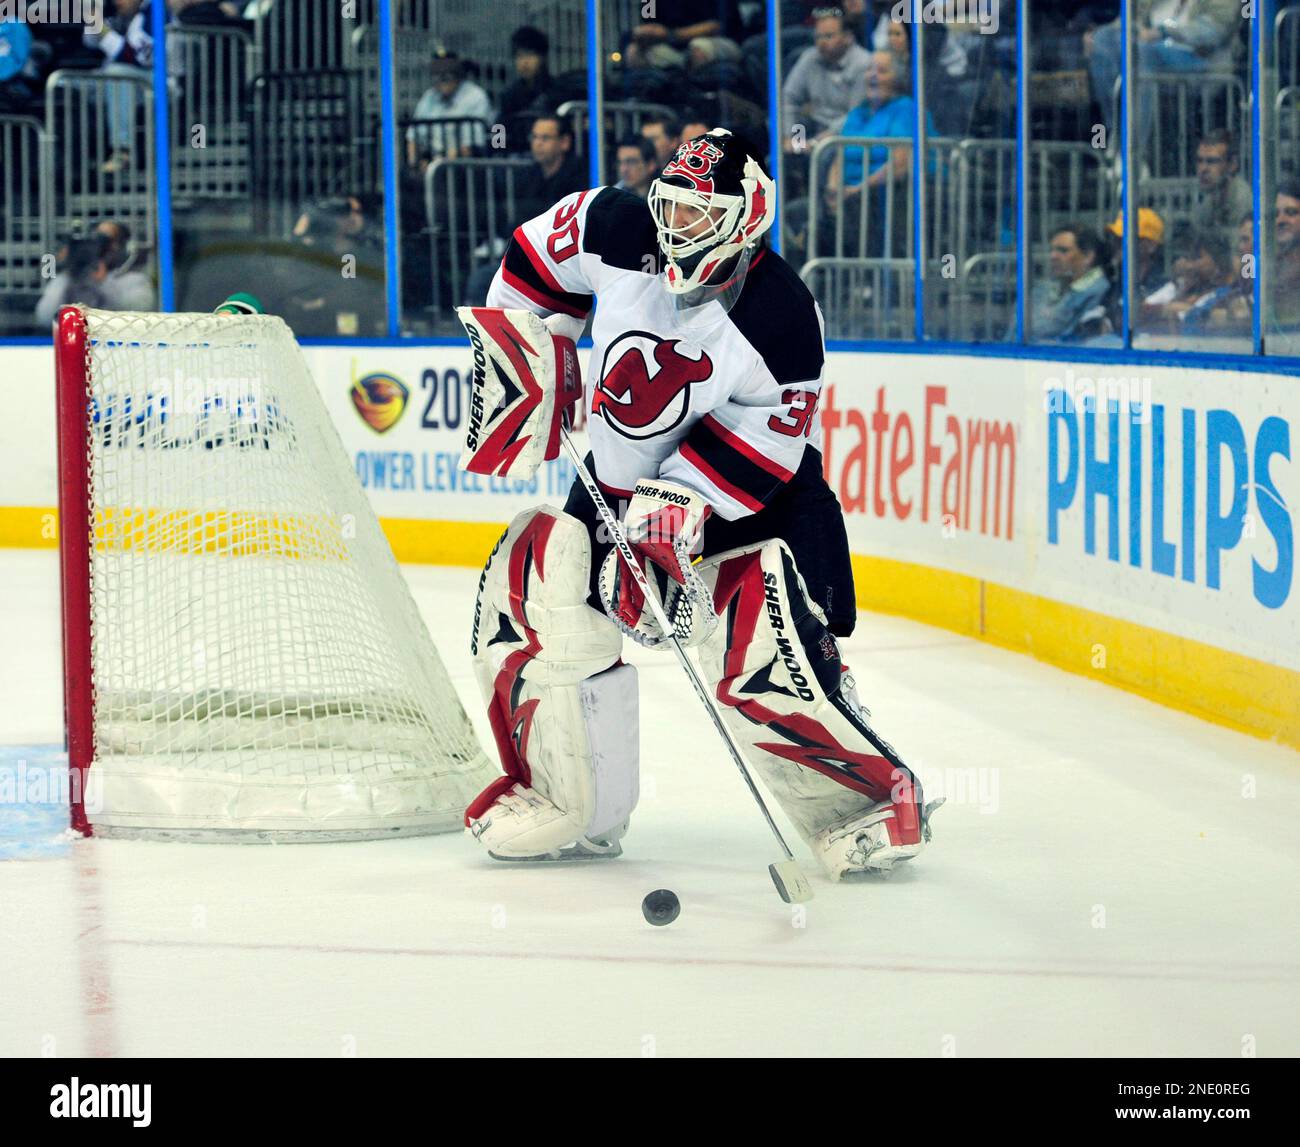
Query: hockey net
{"x": 242, "y": 656}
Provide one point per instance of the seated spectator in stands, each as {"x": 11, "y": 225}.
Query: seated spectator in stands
{"x": 825, "y": 83}
{"x": 556, "y": 172}
{"x": 330, "y": 282}
{"x": 663, "y": 40}
{"x": 453, "y": 97}
{"x": 1149, "y": 277}
{"x": 128, "y": 289}
{"x": 80, "y": 279}
{"x": 1285, "y": 289}
{"x": 636, "y": 165}
{"x": 664, "y": 132}
{"x": 1070, "y": 304}
{"x": 1202, "y": 281}
{"x": 126, "y": 41}
{"x": 210, "y": 14}
{"x": 888, "y": 110}
{"x": 1189, "y": 36}
{"x": 1222, "y": 194}
{"x": 531, "y": 92}
{"x": 692, "y": 126}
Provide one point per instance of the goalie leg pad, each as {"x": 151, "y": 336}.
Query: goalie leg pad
{"x": 562, "y": 707}
{"x": 777, "y": 671}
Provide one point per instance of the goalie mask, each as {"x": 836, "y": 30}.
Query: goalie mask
{"x": 711, "y": 204}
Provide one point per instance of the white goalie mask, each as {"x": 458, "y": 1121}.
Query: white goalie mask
{"x": 711, "y": 204}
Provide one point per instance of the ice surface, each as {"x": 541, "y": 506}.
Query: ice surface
{"x": 1100, "y": 883}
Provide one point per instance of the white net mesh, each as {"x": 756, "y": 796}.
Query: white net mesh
{"x": 259, "y": 664}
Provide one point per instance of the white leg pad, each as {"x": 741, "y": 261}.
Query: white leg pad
{"x": 563, "y": 709}
{"x": 777, "y": 671}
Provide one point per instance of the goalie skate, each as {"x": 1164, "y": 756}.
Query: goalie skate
{"x": 871, "y": 843}
{"x": 514, "y": 814}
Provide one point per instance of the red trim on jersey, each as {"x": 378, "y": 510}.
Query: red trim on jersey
{"x": 547, "y": 277}
{"x": 691, "y": 456}
{"x": 732, "y": 439}
{"x": 538, "y": 296}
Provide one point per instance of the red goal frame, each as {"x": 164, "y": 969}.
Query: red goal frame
{"x": 72, "y": 389}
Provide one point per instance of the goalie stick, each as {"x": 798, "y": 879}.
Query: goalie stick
{"x": 790, "y": 881}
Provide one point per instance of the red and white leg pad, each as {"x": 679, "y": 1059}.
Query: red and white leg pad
{"x": 777, "y": 671}
{"x": 563, "y": 709}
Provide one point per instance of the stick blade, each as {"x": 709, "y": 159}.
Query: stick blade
{"x": 790, "y": 881}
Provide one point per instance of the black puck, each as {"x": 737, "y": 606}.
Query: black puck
{"x": 661, "y": 907}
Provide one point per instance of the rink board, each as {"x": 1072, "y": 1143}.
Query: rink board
{"x": 1137, "y": 528}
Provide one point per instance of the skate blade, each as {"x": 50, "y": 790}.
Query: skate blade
{"x": 573, "y": 852}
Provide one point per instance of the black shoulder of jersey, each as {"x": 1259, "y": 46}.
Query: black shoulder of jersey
{"x": 621, "y": 231}
{"x": 778, "y": 317}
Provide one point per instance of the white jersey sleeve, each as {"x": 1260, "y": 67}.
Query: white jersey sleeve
{"x": 544, "y": 269}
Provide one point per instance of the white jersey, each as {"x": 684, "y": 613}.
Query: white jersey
{"x": 723, "y": 402}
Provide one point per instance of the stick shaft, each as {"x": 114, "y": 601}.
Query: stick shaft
{"x": 630, "y": 558}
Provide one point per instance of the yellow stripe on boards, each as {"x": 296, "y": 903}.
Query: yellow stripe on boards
{"x": 1229, "y": 689}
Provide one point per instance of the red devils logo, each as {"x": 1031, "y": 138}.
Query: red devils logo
{"x": 645, "y": 382}
{"x": 694, "y": 162}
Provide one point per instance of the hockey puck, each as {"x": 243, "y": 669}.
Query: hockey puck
{"x": 661, "y": 907}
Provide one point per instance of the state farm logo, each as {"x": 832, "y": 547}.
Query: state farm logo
{"x": 645, "y": 382}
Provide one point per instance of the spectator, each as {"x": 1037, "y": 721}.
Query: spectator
{"x": 332, "y": 283}
{"x": 126, "y": 41}
{"x": 636, "y": 165}
{"x": 1232, "y": 313}
{"x": 555, "y": 174}
{"x": 127, "y": 288}
{"x": 1201, "y": 282}
{"x": 1222, "y": 194}
{"x": 82, "y": 271}
{"x": 453, "y": 97}
{"x": 211, "y": 14}
{"x": 1190, "y": 36}
{"x": 1069, "y": 305}
{"x": 1149, "y": 277}
{"x": 888, "y": 110}
{"x": 664, "y": 132}
{"x": 692, "y": 126}
{"x": 663, "y": 41}
{"x": 826, "y": 81}
{"x": 1286, "y": 264}
{"x": 531, "y": 92}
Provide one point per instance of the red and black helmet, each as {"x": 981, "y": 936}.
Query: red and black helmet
{"x": 711, "y": 201}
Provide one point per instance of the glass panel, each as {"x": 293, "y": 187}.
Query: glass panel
{"x": 970, "y": 91}
{"x": 848, "y": 115}
{"x": 78, "y": 211}
{"x": 1192, "y": 179}
{"x": 1280, "y": 159}
{"x": 486, "y": 111}
{"x": 1071, "y": 273}
{"x": 275, "y": 160}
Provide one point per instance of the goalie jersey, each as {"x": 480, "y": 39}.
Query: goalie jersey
{"x": 723, "y": 402}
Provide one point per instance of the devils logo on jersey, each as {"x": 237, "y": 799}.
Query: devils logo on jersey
{"x": 694, "y": 162}
{"x": 644, "y": 386}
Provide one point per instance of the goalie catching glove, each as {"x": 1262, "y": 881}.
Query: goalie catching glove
{"x": 525, "y": 383}
{"x": 662, "y": 526}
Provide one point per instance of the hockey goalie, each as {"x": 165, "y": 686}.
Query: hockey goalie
{"x": 701, "y": 400}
